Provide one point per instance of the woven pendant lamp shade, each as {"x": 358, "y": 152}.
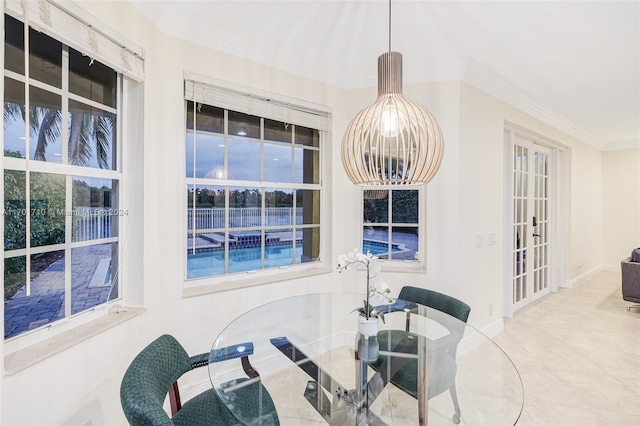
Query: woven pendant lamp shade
{"x": 394, "y": 141}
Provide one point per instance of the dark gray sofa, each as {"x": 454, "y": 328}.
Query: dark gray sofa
{"x": 631, "y": 279}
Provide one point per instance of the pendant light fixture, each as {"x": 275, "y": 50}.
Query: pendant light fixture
{"x": 394, "y": 141}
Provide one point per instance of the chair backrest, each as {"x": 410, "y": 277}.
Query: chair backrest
{"x": 447, "y": 304}
{"x": 148, "y": 379}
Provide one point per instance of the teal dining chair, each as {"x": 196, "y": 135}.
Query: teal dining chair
{"x": 154, "y": 373}
{"x": 443, "y": 363}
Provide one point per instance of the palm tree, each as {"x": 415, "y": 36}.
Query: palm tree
{"x": 86, "y": 132}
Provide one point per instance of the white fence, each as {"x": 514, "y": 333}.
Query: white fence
{"x": 91, "y": 224}
{"x": 210, "y": 218}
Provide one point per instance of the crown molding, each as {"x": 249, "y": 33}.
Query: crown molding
{"x": 481, "y": 77}
{"x": 621, "y": 145}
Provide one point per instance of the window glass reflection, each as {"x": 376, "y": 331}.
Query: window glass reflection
{"x": 277, "y": 131}
{"x": 91, "y": 79}
{"x": 94, "y": 209}
{"x": 277, "y": 163}
{"x": 14, "y": 127}
{"x": 15, "y": 212}
{"x": 404, "y": 207}
{"x": 247, "y": 126}
{"x": 13, "y": 45}
{"x": 46, "y": 121}
{"x": 245, "y": 207}
{"x": 279, "y": 207}
{"x": 308, "y": 206}
{"x": 308, "y": 137}
{"x": 244, "y": 160}
{"x": 45, "y": 58}
{"x": 92, "y": 134}
{"x": 47, "y": 213}
{"x": 404, "y": 242}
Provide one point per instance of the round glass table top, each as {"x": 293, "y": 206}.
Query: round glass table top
{"x": 303, "y": 359}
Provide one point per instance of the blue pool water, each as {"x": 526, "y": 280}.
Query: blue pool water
{"x": 244, "y": 259}
{"x": 378, "y": 248}
{"x": 210, "y": 263}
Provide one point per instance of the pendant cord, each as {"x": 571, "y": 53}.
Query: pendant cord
{"x": 389, "y": 26}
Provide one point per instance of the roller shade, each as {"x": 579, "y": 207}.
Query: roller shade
{"x": 47, "y": 17}
{"x": 259, "y": 104}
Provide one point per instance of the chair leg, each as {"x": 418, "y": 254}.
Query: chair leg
{"x": 632, "y": 307}
{"x": 174, "y": 399}
{"x": 456, "y": 406}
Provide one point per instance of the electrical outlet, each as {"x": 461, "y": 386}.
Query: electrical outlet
{"x": 492, "y": 239}
{"x": 479, "y": 240}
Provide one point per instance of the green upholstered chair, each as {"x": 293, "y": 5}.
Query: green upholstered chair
{"x": 154, "y": 373}
{"x": 442, "y": 365}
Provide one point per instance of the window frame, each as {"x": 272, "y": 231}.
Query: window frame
{"x": 233, "y": 280}
{"x": 17, "y": 349}
{"x": 401, "y": 265}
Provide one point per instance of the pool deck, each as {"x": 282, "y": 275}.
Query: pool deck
{"x": 46, "y": 302}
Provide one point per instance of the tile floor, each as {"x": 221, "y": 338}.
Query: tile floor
{"x": 578, "y": 353}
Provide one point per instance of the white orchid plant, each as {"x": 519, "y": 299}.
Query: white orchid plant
{"x": 376, "y": 287}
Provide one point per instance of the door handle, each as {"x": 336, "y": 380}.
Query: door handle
{"x": 535, "y": 221}
{"x": 536, "y": 235}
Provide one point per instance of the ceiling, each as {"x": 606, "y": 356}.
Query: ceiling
{"x": 574, "y": 64}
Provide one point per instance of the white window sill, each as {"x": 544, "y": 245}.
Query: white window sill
{"x": 33, "y": 354}
{"x": 403, "y": 266}
{"x": 194, "y": 288}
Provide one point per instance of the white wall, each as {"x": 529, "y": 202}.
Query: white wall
{"x": 81, "y": 385}
{"x": 621, "y": 204}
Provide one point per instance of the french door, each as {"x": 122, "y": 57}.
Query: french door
{"x": 531, "y": 227}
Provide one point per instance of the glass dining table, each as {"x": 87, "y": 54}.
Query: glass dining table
{"x": 314, "y": 367}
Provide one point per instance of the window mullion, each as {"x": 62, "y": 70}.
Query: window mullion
{"x": 27, "y": 174}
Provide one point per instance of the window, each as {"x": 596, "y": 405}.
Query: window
{"x": 253, "y": 184}
{"x": 62, "y": 172}
{"x": 391, "y": 223}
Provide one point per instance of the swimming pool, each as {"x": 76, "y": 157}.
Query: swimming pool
{"x": 206, "y": 264}
{"x": 210, "y": 263}
{"x": 378, "y": 247}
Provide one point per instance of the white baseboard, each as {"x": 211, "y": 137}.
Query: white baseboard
{"x": 611, "y": 268}
{"x": 494, "y": 328}
{"x": 585, "y": 276}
